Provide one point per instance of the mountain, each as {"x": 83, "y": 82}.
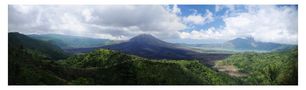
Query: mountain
{"x": 17, "y": 40}
{"x": 249, "y": 43}
{"x": 239, "y": 45}
{"x": 242, "y": 43}
{"x": 147, "y": 39}
{"x": 148, "y": 46}
{"x": 28, "y": 65}
{"x": 69, "y": 42}
{"x": 31, "y": 62}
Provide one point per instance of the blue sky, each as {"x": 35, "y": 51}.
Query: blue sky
{"x": 187, "y": 10}
{"x": 201, "y": 9}
{"x": 193, "y": 24}
{"x": 220, "y": 12}
{"x": 218, "y": 22}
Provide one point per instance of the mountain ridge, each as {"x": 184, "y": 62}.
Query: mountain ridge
{"x": 18, "y": 40}
{"x": 249, "y": 43}
{"x": 150, "y": 47}
{"x": 68, "y": 41}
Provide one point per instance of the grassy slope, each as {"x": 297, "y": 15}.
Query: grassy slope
{"x": 118, "y": 68}
{"x": 266, "y": 68}
{"x": 107, "y": 67}
{"x": 17, "y": 40}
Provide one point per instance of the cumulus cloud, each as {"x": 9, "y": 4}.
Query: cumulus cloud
{"x": 108, "y": 21}
{"x": 197, "y": 18}
{"x": 264, "y": 23}
{"x": 229, "y": 7}
{"x": 176, "y": 10}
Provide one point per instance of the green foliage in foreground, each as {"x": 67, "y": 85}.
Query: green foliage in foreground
{"x": 33, "y": 62}
{"x": 108, "y": 67}
{"x": 27, "y": 66}
{"x": 267, "y": 68}
{"x": 48, "y": 50}
{"x": 105, "y": 67}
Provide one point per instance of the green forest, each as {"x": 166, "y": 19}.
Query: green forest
{"x": 35, "y": 66}
{"x": 266, "y": 68}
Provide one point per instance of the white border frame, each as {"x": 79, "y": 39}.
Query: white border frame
{"x": 4, "y": 43}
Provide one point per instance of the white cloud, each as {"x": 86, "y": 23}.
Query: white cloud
{"x": 222, "y": 7}
{"x": 176, "y": 10}
{"x": 197, "y": 18}
{"x": 111, "y": 21}
{"x": 87, "y": 13}
{"x": 218, "y": 8}
{"x": 264, "y": 23}
{"x": 209, "y": 34}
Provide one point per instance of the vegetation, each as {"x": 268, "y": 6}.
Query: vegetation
{"x": 266, "y": 68}
{"x": 50, "y": 51}
{"x": 69, "y": 42}
{"x": 29, "y": 67}
{"x": 108, "y": 67}
{"x": 33, "y": 61}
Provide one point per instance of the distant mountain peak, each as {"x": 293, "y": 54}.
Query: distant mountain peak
{"x": 249, "y": 43}
{"x": 243, "y": 39}
{"x": 249, "y": 38}
{"x": 145, "y": 38}
{"x": 145, "y": 35}
{"x": 14, "y": 33}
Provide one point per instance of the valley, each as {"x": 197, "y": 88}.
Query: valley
{"x": 144, "y": 60}
{"x": 152, "y": 44}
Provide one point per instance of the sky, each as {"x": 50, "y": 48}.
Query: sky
{"x": 194, "y": 24}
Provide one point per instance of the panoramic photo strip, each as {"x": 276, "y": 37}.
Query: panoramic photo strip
{"x": 153, "y": 44}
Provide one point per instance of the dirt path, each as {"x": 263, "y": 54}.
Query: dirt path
{"x": 230, "y": 70}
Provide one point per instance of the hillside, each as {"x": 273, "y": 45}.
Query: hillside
{"x": 249, "y": 43}
{"x": 30, "y": 67}
{"x": 246, "y": 44}
{"x": 50, "y": 51}
{"x": 265, "y": 68}
{"x": 148, "y": 46}
{"x": 69, "y": 42}
{"x": 108, "y": 67}
{"x": 32, "y": 62}
{"x": 118, "y": 68}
